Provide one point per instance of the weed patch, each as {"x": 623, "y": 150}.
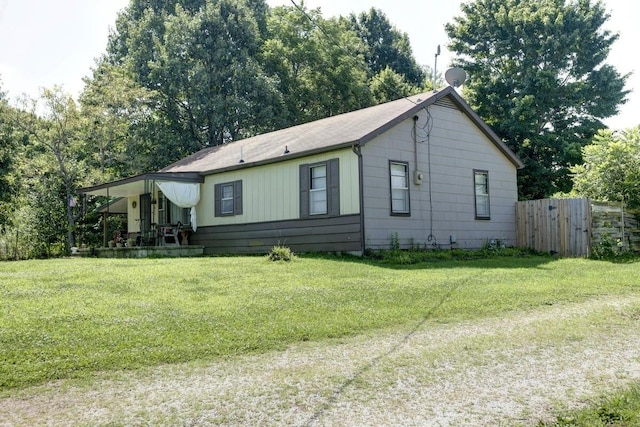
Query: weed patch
{"x": 619, "y": 410}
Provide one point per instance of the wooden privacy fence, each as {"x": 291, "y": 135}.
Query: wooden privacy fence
{"x": 572, "y": 227}
{"x": 557, "y": 226}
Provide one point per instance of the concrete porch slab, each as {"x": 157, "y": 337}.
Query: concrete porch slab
{"x": 149, "y": 251}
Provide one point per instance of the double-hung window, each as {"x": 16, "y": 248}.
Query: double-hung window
{"x": 320, "y": 189}
{"x": 228, "y": 198}
{"x": 481, "y": 193}
{"x": 399, "y": 173}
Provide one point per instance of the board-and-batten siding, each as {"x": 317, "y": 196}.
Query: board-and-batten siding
{"x": 338, "y": 234}
{"x": 133, "y": 214}
{"x": 457, "y": 147}
{"x": 271, "y": 211}
{"x": 272, "y": 192}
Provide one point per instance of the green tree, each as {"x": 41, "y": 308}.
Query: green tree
{"x": 388, "y": 47}
{"x": 52, "y": 125}
{"x": 9, "y": 179}
{"x": 318, "y": 64}
{"x": 200, "y": 57}
{"x": 388, "y": 85}
{"x": 117, "y": 113}
{"x": 119, "y": 46}
{"x": 539, "y": 79}
{"x": 44, "y": 209}
{"x": 611, "y": 168}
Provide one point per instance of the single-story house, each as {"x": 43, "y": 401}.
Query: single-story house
{"x": 419, "y": 171}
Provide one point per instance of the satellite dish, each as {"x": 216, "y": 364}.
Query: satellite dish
{"x": 455, "y": 76}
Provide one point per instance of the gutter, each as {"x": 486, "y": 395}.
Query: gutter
{"x": 273, "y": 160}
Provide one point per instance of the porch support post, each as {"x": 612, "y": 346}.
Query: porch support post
{"x": 105, "y": 216}
{"x": 106, "y": 221}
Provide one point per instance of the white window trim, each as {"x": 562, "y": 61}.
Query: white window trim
{"x": 313, "y": 192}
{"x": 226, "y": 199}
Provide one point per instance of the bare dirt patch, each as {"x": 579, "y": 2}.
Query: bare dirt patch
{"x": 512, "y": 370}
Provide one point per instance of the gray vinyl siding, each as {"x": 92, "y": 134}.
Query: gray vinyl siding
{"x": 457, "y": 147}
{"x": 337, "y": 234}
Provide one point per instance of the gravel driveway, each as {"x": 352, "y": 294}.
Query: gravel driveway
{"x": 517, "y": 369}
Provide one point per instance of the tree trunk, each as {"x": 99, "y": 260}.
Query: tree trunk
{"x": 71, "y": 237}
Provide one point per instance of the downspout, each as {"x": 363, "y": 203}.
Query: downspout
{"x": 415, "y": 142}
{"x": 622, "y": 222}
{"x": 357, "y": 149}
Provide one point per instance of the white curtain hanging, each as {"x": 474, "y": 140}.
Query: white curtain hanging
{"x": 182, "y": 194}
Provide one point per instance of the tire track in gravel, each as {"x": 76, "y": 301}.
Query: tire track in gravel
{"x": 405, "y": 340}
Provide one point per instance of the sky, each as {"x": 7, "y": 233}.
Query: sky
{"x": 55, "y": 42}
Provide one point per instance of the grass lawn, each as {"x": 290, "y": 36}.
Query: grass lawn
{"x": 620, "y": 410}
{"x": 67, "y": 318}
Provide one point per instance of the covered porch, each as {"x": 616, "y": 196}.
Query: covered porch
{"x": 159, "y": 211}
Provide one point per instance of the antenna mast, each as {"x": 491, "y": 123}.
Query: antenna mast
{"x": 435, "y": 68}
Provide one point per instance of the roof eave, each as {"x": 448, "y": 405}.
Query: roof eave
{"x": 464, "y": 107}
{"x": 156, "y": 176}
{"x": 280, "y": 159}
{"x": 402, "y": 117}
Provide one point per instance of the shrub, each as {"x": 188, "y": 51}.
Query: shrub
{"x": 281, "y": 253}
{"x": 394, "y": 242}
{"x": 607, "y": 248}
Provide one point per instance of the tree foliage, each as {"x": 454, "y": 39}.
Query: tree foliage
{"x": 387, "y": 85}
{"x": 200, "y": 57}
{"x": 9, "y": 179}
{"x": 388, "y": 47}
{"x": 227, "y": 69}
{"x": 117, "y": 114}
{"x": 317, "y": 63}
{"x": 52, "y": 125}
{"x": 611, "y": 168}
{"x": 539, "y": 78}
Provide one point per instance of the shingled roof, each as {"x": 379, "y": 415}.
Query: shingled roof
{"x": 341, "y": 131}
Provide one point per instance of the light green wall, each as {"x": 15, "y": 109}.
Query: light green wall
{"x": 272, "y": 192}
{"x": 133, "y": 214}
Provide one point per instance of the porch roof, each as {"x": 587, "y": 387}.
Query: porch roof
{"x": 139, "y": 184}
